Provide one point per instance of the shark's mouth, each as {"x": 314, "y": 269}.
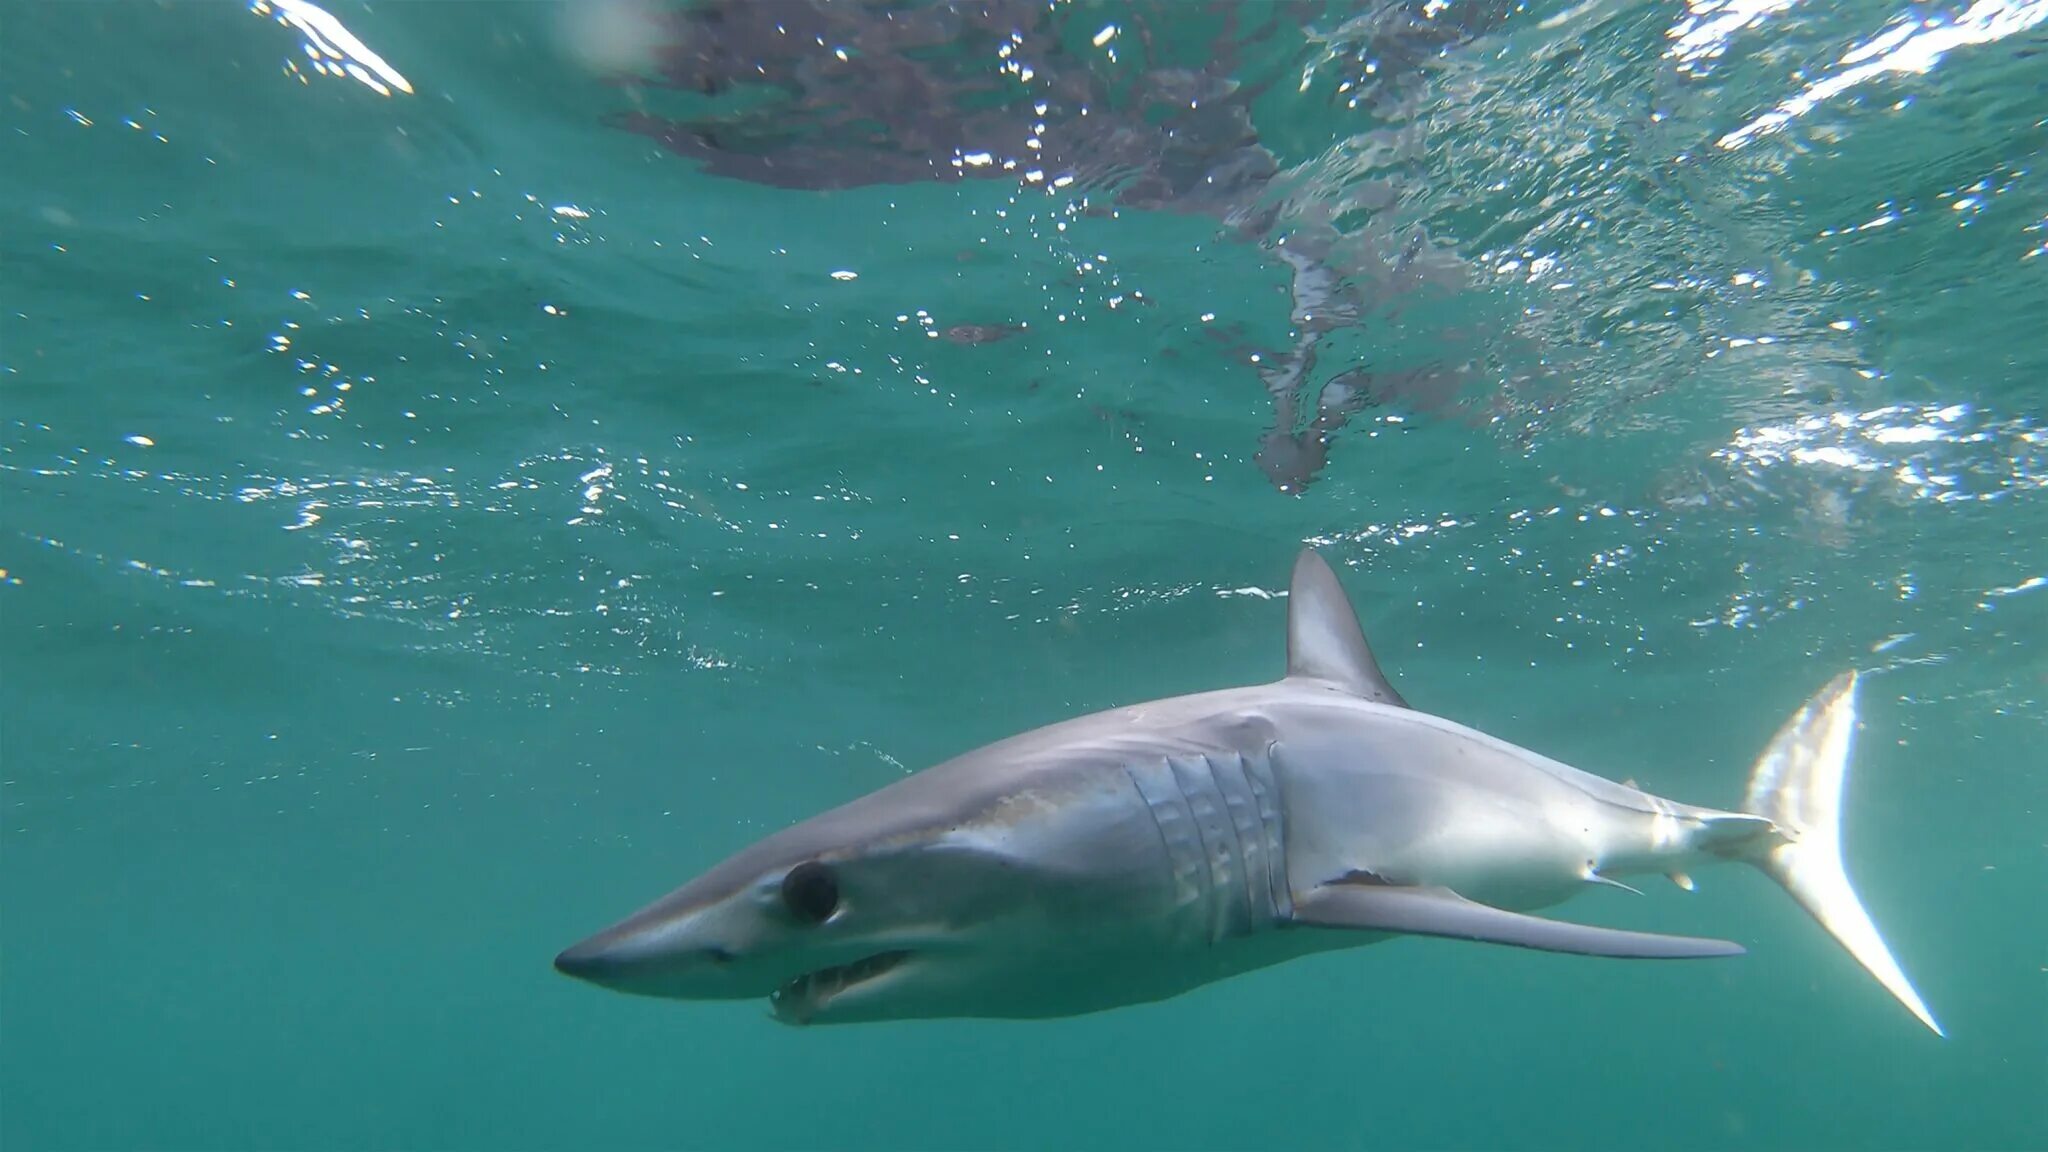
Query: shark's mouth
{"x": 797, "y": 1001}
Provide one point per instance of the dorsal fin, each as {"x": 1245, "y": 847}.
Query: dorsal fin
{"x": 1324, "y": 641}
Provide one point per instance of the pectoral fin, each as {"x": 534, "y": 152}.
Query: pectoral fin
{"x": 1442, "y": 912}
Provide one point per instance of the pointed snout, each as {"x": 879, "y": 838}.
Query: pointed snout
{"x": 678, "y": 953}
{"x": 648, "y": 959}
{"x": 597, "y": 960}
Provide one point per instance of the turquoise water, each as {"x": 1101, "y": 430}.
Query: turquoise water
{"x": 437, "y": 522}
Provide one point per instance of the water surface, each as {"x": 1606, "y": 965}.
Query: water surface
{"x": 443, "y": 508}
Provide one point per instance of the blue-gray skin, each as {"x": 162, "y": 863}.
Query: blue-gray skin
{"x": 1133, "y": 855}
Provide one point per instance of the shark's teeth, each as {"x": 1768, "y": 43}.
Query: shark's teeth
{"x": 800, "y": 999}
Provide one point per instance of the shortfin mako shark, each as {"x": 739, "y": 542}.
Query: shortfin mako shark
{"x": 1136, "y": 854}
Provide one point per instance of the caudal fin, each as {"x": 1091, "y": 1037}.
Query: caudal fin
{"x": 1797, "y": 785}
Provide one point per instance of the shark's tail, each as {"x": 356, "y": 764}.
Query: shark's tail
{"x": 1797, "y": 785}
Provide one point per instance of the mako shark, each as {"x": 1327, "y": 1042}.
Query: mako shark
{"x": 1136, "y": 854}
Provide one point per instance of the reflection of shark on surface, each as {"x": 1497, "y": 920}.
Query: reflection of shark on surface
{"x": 1292, "y": 451}
{"x": 828, "y": 94}
{"x": 1137, "y": 854}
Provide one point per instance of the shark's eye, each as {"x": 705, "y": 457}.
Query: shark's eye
{"x": 810, "y": 892}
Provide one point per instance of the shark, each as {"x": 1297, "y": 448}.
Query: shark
{"x": 1133, "y": 855}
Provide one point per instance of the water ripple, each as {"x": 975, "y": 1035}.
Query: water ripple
{"x": 1945, "y": 453}
{"x": 1910, "y": 44}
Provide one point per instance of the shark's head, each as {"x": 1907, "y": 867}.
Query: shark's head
{"x": 899, "y": 905}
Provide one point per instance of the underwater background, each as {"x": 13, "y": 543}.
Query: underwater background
{"x": 468, "y": 467}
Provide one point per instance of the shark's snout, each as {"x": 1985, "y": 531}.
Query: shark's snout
{"x": 652, "y": 958}
{"x": 608, "y": 960}
{"x": 599, "y": 961}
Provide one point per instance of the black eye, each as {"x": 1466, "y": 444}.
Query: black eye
{"x": 810, "y": 892}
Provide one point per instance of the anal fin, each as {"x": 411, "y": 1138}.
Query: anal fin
{"x": 1441, "y": 912}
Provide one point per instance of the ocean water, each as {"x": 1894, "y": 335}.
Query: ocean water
{"x": 469, "y": 467}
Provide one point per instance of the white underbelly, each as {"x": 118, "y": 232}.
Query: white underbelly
{"x": 1506, "y": 858}
{"x": 1511, "y": 851}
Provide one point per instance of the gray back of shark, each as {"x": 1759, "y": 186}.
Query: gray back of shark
{"x": 1132, "y": 855}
